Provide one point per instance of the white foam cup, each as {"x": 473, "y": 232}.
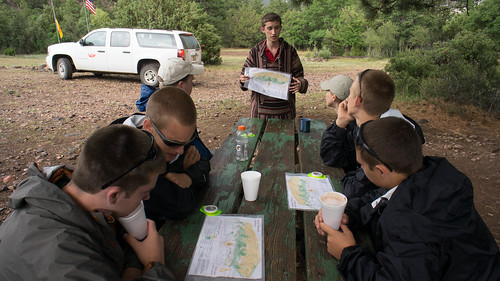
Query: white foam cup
{"x": 250, "y": 181}
{"x": 332, "y": 208}
{"x": 135, "y": 223}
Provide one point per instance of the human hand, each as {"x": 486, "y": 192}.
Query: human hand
{"x": 337, "y": 240}
{"x": 295, "y": 86}
{"x": 244, "y": 78}
{"x": 329, "y": 99}
{"x": 191, "y": 156}
{"x": 151, "y": 248}
{"x": 180, "y": 179}
{"x": 343, "y": 117}
{"x": 319, "y": 219}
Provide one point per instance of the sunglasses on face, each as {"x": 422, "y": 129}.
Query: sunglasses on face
{"x": 171, "y": 143}
{"x": 361, "y": 142}
{"x": 361, "y": 77}
{"x": 150, "y": 156}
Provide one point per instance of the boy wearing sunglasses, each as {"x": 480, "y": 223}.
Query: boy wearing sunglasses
{"x": 171, "y": 118}
{"x": 425, "y": 227}
{"x": 63, "y": 224}
{"x": 370, "y": 98}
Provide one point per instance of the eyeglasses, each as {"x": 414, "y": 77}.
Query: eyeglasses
{"x": 359, "y": 79}
{"x": 360, "y": 141}
{"x": 171, "y": 143}
{"x": 150, "y": 156}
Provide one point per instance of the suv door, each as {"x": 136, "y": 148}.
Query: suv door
{"x": 91, "y": 55}
{"x": 192, "y": 49}
{"x": 120, "y": 57}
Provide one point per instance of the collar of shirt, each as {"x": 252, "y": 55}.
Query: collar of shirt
{"x": 387, "y": 195}
{"x": 269, "y": 54}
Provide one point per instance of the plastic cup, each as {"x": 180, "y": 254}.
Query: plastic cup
{"x": 250, "y": 181}
{"x": 305, "y": 125}
{"x": 332, "y": 208}
{"x": 135, "y": 223}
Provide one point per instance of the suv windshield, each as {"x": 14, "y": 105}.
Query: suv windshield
{"x": 156, "y": 40}
{"x": 189, "y": 41}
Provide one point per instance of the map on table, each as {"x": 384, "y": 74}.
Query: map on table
{"x": 268, "y": 82}
{"x": 229, "y": 246}
{"x": 304, "y": 191}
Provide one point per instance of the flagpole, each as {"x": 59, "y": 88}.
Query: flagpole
{"x": 55, "y": 20}
{"x": 86, "y": 18}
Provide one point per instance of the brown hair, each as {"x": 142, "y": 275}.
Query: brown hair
{"x": 376, "y": 90}
{"x": 109, "y": 152}
{"x": 270, "y": 17}
{"x": 394, "y": 141}
{"x": 171, "y": 102}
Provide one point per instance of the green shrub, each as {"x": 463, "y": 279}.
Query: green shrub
{"x": 324, "y": 53}
{"x": 463, "y": 70}
{"x": 9, "y": 52}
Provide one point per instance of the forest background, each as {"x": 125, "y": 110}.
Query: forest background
{"x": 437, "y": 48}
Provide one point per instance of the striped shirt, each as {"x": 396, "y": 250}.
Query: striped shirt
{"x": 287, "y": 61}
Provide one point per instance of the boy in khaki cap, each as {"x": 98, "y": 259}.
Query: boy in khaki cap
{"x": 174, "y": 72}
{"x": 337, "y": 90}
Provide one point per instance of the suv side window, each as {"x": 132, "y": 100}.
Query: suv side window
{"x": 189, "y": 41}
{"x": 156, "y": 40}
{"x": 96, "y": 39}
{"x": 120, "y": 39}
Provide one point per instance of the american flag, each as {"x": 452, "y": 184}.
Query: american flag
{"x": 90, "y": 6}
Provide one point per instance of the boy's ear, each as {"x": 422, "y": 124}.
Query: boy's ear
{"x": 146, "y": 125}
{"x": 113, "y": 194}
{"x": 262, "y": 29}
{"x": 358, "y": 100}
{"x": 382, "y": 170}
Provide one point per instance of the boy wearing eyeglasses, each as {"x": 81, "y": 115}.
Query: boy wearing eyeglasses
{"x": 425, "y": 227}
{"x": 370, "y": 98}
{"x": 63, "y": 227}
{"x": 171, "y": 118}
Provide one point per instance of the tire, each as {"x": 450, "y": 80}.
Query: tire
{"x": 64, "y": 68}
{"x": 148, "y": 74}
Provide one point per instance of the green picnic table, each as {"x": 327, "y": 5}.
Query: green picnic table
{"x": 275, "y": 154}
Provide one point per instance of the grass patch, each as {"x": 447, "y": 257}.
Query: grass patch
{"x": 22, "y": 60}
{"x": 233, "y": 59}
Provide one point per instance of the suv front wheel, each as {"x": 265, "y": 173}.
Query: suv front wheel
{"x": 148, "y": 74}
{"x": 64, "y": 68}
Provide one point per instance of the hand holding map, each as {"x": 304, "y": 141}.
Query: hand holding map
{"x": 268, "y": 82}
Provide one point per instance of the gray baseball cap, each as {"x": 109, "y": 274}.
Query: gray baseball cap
{"x": 339, "y": 85}
{"x": 176, "y": 69}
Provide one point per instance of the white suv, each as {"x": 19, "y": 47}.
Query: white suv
{"x": 123, "y": 50}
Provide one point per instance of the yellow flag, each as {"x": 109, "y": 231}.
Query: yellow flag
{"x": 59, "y": 29}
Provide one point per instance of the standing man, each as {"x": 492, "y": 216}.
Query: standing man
{"x": 63, "y": 226}
{"x": 276, "y": 54}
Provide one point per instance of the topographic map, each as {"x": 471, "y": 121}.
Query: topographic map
{"x": 304, "y": 191}
{"x": 229, "y": 246}
{"x": 270, "y": 83}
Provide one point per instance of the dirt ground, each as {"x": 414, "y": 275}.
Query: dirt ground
{"x": 44, "y": 119}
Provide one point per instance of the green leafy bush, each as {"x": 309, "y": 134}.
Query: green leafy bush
{"x": 463, "y": 70}
{"x": 324, "y": 53}
{"x": 9, "y": 51}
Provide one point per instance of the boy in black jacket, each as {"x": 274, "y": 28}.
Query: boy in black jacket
{"x": 425, "y": 227}
{"x": 370, "y": 98}
{"x": 171, "y": 118}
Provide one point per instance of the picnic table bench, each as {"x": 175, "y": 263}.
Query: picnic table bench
{"x": 275, "y": 154}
